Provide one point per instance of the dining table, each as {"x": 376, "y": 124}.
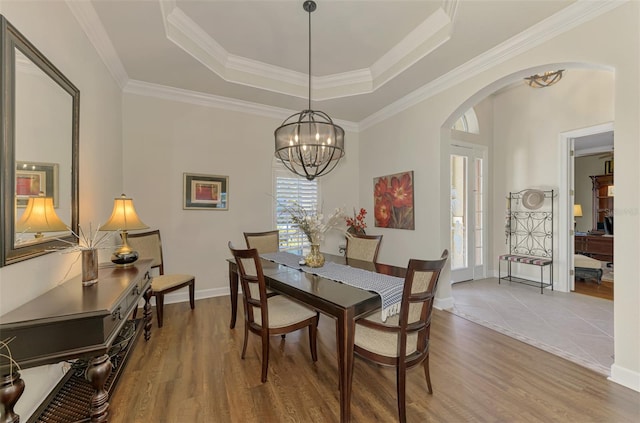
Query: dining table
{"x": 343, "y": 302}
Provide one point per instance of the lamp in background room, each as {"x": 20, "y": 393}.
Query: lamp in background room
{"x": 577, "y": 212}
{"x": 308, "y": 143}
{"x": 39, "y": 217}
{"x": 123, "y": 218}
{"x": 544, "y": 80}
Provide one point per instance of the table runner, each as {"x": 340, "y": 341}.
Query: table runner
{"x": 388, "y": 287}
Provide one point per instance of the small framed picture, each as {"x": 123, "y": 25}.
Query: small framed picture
{"x": 34, "y": 179}
{"x": 205, "y": 192}
{"x": 608, "y": 167}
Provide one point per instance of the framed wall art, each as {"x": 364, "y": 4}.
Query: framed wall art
{"x": 34, "y": 178}
{"x": 205, "y": 192}
{"x": 608, "y": 167}
{"x": 393, "y": 201}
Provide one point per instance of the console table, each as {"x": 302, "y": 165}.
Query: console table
{"x": 72, "y": 321}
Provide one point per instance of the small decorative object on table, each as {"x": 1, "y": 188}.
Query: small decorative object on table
{"x": 88, "y": 246}
{"x": 311, "y": 223}
{"x": 356, "y": 224}
{"x": 11, "y": 384}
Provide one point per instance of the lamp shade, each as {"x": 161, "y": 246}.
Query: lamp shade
{"x": 577, "y": 210}
{"x": 123, "y": 217}
{"x": 40, "y": 216}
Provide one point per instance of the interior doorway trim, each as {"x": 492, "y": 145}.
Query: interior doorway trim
{"x": 565, "y": 202}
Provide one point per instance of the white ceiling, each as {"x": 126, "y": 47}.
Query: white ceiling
{"x": 366, "y": 55}
{"x": 594, "y": 144}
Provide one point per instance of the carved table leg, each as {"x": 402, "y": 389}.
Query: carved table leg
{"x": 11, "y": 388}
{"x": 147, "y": 314}
{"x": 97, "y": 373}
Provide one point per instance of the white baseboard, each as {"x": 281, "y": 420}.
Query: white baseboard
{"x": 443, "y": 303}
{"x": 182, "y": 295}
{"x": 625, "y": 377}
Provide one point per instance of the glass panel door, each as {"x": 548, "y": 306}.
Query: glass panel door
{"x": 468, "y": 217}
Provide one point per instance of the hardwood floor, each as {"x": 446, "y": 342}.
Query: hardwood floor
{"x": 191, "y": 371}
{"x": 591, "y": 287}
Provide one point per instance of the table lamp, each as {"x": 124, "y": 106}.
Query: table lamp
{"x": 123, "y": 218}
{"x": 39, "y": 217}
{"x": 577, "y": 212}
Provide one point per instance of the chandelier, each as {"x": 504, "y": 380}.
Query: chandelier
{"x": 308, "y": 143}
{"x": 546, "y": 79}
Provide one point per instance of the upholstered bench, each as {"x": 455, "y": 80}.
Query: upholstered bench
{"x": 587, "y": 268}
{"x": 532, "y": 260}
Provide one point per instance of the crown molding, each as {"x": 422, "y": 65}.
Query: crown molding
{"x": 88, "y": 19}
{"x": 209, "y": 100}
{"x": 191, "y": 38}
{"x": 426, "y": 37}
{"x": 566, "y": 19}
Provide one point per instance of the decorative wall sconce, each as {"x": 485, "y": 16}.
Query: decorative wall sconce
{"x": 544, "y": 80}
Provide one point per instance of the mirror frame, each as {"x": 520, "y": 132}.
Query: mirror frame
{"x": 11, "y": 39}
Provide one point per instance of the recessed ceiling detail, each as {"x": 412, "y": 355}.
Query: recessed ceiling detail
{"x": 185, "y": 33}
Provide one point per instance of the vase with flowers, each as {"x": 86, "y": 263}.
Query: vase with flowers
{"x": 356, "y": 224}
{"x": 88, "y": 246}
{"x": 312, "y": 224}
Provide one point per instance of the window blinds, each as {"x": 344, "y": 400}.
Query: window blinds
{"x": 288, "y": 190}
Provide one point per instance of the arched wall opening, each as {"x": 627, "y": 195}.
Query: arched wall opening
{"x": 553, "y": 149}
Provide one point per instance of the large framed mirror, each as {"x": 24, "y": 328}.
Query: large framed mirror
{"x": 39, "y": 163}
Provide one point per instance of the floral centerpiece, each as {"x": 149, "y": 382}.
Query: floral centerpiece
{"x": 356, "y": 224}
{"x": 312, "y": 224}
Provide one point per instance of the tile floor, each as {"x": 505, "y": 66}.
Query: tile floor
{"x": 574, "y": 326}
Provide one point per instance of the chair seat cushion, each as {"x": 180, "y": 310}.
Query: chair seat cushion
{"x": 383, "y": 343}
{"x": 164, "y": 282}
{"x": 284, "y": 312}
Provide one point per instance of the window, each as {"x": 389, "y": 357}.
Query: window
{"x": 289, "y": 188}
{"x": 468, "y": 122}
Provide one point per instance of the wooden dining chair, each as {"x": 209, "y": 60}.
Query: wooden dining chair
{"x": 149, "y": 245}
{"x": 269, "y": 315}
{"x": 403, "y": 340}
{"x": 363, "y": 247}
{"x": 264, "y": 242}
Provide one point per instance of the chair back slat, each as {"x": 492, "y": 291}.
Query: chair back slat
{"x": 149, "y": 246}
{"x": 264, "y": 242}
{"x": 254, "y": 290}
{"x": 363, "y": 247}
{"x": 416, "y": 308}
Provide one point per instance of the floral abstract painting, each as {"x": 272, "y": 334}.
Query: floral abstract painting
{"x": 393, "y": 201}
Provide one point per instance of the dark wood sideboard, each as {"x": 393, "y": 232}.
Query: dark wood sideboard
{"x": 599, "y": 247}
{"x": 72, "y": 321}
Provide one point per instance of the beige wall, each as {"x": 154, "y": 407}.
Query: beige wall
{"x": 166, "y": 138}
